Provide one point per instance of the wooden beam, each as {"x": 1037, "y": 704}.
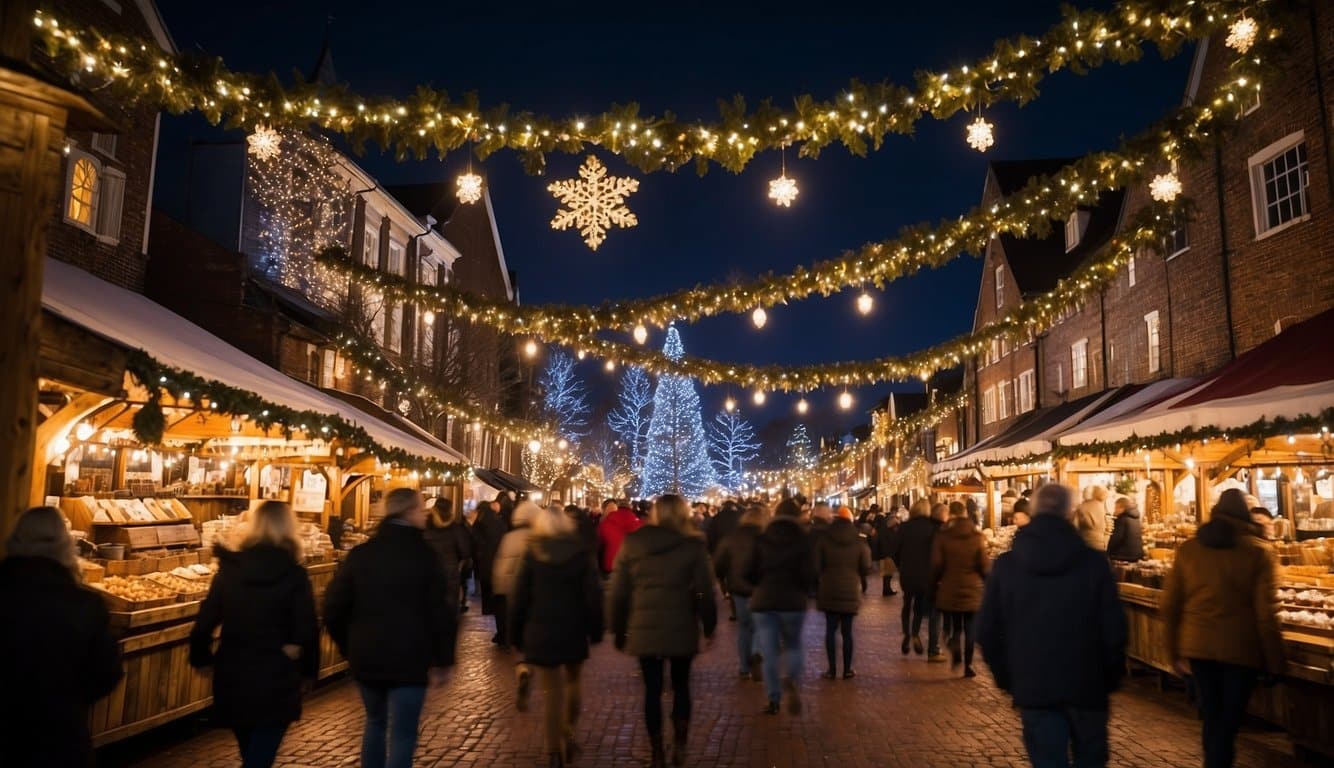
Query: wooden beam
{"x": 1225, "y": 463}
{"x": 72, "y": 355}
{"x": 57, "y": 424}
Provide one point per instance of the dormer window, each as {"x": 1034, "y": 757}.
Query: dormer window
{"x": 1075, "y": 226}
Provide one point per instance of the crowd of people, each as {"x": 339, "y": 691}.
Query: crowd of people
{"x": 654, "y": 577}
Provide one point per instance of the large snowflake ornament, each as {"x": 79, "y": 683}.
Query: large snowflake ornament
{"x": 594, "y": 203}
{"x": 265, "y": 143}
{"x": 1241, "y": 35}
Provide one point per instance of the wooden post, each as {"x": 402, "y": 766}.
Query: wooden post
{"x": 33, "y": 116}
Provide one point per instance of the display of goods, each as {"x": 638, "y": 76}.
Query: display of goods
{"x": 189, "y": 589}
{"x": 1306, "y": 618}
{"x": 999, "y": 540}
{"x": 351, "y": 540}
{"x": 1313, "y": 598}
{"x": 1146, "y": 573}
{"x": 90, "y": 572}
{"x": 1317, "y": 524}
{"x": 133, "y": 593}
{"x": 220, "y": 531}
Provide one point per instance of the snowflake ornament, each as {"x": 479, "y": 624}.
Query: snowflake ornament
{"x": 469, "y": 188}
{"x": 265, "y": 143}
{"x": 979, "y": 134}
{"x": 783, "y": 190}
{"x": 1165, "y": 187}
{"x": 1241, "y": 35}
{"x": 594, "y": 203}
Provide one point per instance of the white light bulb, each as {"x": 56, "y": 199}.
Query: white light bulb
{"x": 803, "y": 406}
{"x": 759, "y": 397}
{"x": 83, "y": 431}
{"x": 563, "y": 444}
{"x": 61, "y": 445}
{"x": 428, "y": 317}
{"x": 865, "y": 303}
{"x": 845, "y": 400}
{"x": 534, "y": 446}
{"x": 581, "y": 354}
{"x": 759, "y": 317}
{"x": 641, "y": 333}
{"x": 530, "y": 349}
{"x": 610, "y": 365}
{"x": 729, "y": 405}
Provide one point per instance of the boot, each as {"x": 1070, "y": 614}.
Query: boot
{"x": 656, "y": 757}
{"x": 680, "y": 734}
{"x": 887, "y": 586}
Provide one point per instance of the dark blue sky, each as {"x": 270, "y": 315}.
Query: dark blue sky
{"x": 695, "y": 230}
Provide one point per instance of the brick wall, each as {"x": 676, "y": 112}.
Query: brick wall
{"x": 123, "y": 262}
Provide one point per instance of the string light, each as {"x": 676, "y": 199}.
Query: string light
{"x": 641, "y": 334}
{"x": 530, "y": 348}
{"x": 803, "y": 406}
{"x": 865, "y": 303}
{"x": 428, "y": 317}
{"x": 759, "y": 317}
{"x": 845, "y": 400}
{"x": 534, "y": 446}
{"x": 84, "y": 431}
{"x": 729, "y": 404}
{"x": 610, "y": 366}
{"x": 759, "y": 397}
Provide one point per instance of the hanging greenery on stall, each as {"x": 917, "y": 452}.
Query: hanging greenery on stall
{"x": 207, "y": 395}
{"x": 1256, "y": 432}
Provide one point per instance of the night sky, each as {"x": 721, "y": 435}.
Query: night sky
{"x": 723, "y": 226}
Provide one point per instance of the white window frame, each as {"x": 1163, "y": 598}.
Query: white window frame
{"x": 1003, "y": 399}
{"x": 989, "y": 405}
{"x": 1130, "y": 271}
{"x": 75, "y": 155}
{"x": 1253, "y": 105}
{"x": 1000, "y": 286}
{"x": 370, "y": 247}
{"x": 104, "y": 144}
{"x": 328, "y": 367}
{"x": 426, "y": 273}
{"x": 1179, "y": 225}
{"x": 1079, "y": 364}
{"x": 1153, "y": 332}
{"x": 1075, "y": 227}
{"x": 397, "y": 260}
{"x": 1260, "y": 202}
{"x": 110, "y": 205}
{"x": 1025, "y": 390}
{"x": 393, "y": 340}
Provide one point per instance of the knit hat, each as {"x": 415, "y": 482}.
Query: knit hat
{"x": 1232, "y": 503}
{"x": 845, "y": 513}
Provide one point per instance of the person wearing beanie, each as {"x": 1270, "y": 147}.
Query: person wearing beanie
{"x": 1053, "y": 633}
{"x": 62, "y": 657}
{"x": 1220, "y": 606}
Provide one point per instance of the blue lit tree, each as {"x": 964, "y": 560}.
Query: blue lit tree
{"x": 564, "y": 399}
{"x": 676, "y": 458}
{"x": 734, "y": 445}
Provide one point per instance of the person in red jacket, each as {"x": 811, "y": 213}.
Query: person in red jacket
{"x": 613, "y": 529}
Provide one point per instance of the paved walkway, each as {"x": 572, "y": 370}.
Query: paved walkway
{"x": 898, "y": 712}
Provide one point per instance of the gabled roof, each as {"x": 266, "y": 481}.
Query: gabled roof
{"x": 156, "y": 25}
{"x": 437, "y": 200}
{"x": 1038, "y": 263}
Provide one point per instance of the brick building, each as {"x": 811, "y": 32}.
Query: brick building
{"x": 103, "y": 215}
{"x": 1255, "y": 256}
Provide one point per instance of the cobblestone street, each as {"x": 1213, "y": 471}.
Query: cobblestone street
{"x": 898, "y": 711}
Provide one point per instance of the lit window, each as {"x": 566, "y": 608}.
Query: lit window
{"x": 1079, "y": 364}
{"x": 81, "y": 202}
{"x": 1279, "y": 184}
{"x": 1025, "y": 391}
{"x": 1155, "y": 353}
{"x": 1000, "y": 287}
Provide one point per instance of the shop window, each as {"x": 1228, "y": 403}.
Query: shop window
{"x": 1079, "y": 364}
{"x": 395, "y": 258}
{"x": 1280, "y": 181}
{"x": 394, "y": 316}
{"x": 1003, "y": 400}
{"x": 1000, "y": 287}
{"x": 1025, "y": 390}
{"x": 1155, "y": 354}
{"x": 370, "y": 251}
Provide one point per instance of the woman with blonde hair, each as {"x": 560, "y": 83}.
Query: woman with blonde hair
{"x": 57, "y": 655}
{"x": 661, "y": 599}
{"x": 263, "y": 600}
{"x": 555, "y": 613}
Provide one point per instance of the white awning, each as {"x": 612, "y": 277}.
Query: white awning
{"x": 136, "y": 322}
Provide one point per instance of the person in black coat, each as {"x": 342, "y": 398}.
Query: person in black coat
{"x": 487, "y": 531}
{"x": 452, "y": 545}
{"x": 842, "y": 562}
{"x": 387, "y": 611}
{"x": 910, "y": 548}
{"x": 886, "y": 532}
{"x": 1053, "y": 632}
{"x": 57, "y": 654}
{"x": 1126, "y": 543}
{"x": 734, "y": 555}
{"x": 270, "y": 640}
{"x": 555, "y": 613}
{"x": 723, "y": 523}
{"x": 783, "y": 572}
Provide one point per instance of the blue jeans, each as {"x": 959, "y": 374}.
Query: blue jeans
{"x": 259, "y": 744}
{"x": 745, "y": 631}
{"x": 771, "y": 627}
{"x": 1051, "y": 735}
{"x": 397, "y": 711}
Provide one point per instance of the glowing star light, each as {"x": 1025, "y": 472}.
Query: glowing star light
{"x": 264, "y": 143}
{"x": 595, "y": 203}
{"x": 979, "y": 134}
{"x": 469, "y": 188}
{"x": 1165, "y": 187}
{"x": 783, "y": 190}
{"x": 1241, "y": 35}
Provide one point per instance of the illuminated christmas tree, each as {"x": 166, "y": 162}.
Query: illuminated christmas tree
{"x": 677, "y": 453}
{"x": 800, "y": 451}
{"x": 734, "y": 445}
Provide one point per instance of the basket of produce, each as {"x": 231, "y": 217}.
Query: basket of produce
{"x": 133, "y": 594}
{"x": 187, "y": 589}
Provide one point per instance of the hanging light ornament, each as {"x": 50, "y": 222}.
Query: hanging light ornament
{"x": 729, "y": 404}
{"x": 1165, "y": 187}
{"x": 469, "y": 187}
{"x": 980, "y": 135}
{"x": 803, "y": 406}
{"x": 783, "y": 190}
{"x": 641, "y": 334}
{"x": 265, "y": 143}
{"x": 845, "y": 400}
{"x": 759, "y": 317}
{"x": 759, "y": 397}
{"x": 530, "y": 348}
{"x": 865, "y": 303}
{"x": 1241, "y": 35}
{"x": 428, "y": 317}
{"x": 610, "y": 366}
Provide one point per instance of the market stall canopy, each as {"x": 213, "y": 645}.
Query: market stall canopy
{"x": 136, "y": 322}
{"x": 395, "y": 420}
{"x": 504, "y": 481}
{"x": 1031, "y": 435}
{"x": 1130, "y": 406}
{"x": 1287, "y": 377}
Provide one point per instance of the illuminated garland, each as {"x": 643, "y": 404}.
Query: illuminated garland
{"x": 159, "y": 379}
{"x": 1144, "y": 229}
{"x": 859, "y": 118}
{"x": 1025, "y": 213}
{"x": 368, "y": 358}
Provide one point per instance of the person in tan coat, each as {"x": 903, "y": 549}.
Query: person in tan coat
{"x": 1091, "y": 518}
{"x": 959, "y": 563}
{"x": 1221, "y": 611}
